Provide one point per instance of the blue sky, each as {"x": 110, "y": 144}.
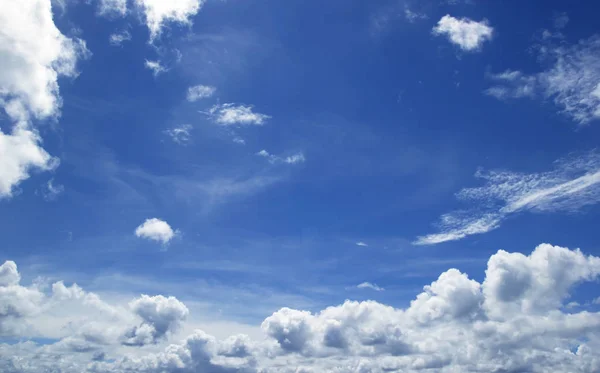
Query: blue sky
{"x": 382, "y": 143}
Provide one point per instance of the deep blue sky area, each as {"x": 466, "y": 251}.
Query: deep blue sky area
{"x": 392, "y": 121}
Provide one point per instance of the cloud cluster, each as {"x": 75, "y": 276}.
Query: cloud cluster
{"x": 199, "y": 92}
{"x": 571, "y": 79}
{"x": 181, "y": 134}
{"x": 516, "y": 319}
{"x": 161, "y": 315}
{"x": 237, "y": 115}
{"x": 469, "y": 35}
{"x": 156, "y": 230}
{"x": 574, "y": 183}
{"x": 33, "y": 54}
{"x": 274, "y": 159}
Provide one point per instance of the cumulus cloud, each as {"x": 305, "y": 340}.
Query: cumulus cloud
{"x": 158, "y": 13}
{"x": 240, "y": 115}
{"x": 118, "y": 38}
{"x": 21, "y": 153}
{"x": 33, "y": 54}
{"x": 274, "y": 159}
{"x": 155, "y": 67}
{"x": 181, "y": 134}
{"x": 368, "y": 285}
{"x": 573, "y": 184}
{"x": 469, "y": 35}
{"x": 570, "y": 79}
{"x": 198, "y": 92}
{"x": 156, "y": 230}
{"x": 112, "y": 8}
{"x": 512, "y": 321}
{"x": 161, "y": 315}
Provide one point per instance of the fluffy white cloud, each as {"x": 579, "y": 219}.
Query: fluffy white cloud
{"x": 112, "y": 8}
{"x": 161, "y": 315}
{"x": 181, "y": 134}
{"x": 198, "y": 92}
{"x": 33, "y": 54}
{"x": 469, "y": 35}
{"x": 119, "y": 38}
{"x": 159, "y": 12}
{"x": 20, "y": 153}
{"x": 575, "y": 183}
{"x": 291, "y": 159}
{"x": 232, "y": 114}
{"x": 571, "y": 79}
{"x": 155, "y": 67}
{"x": 156, "y": 230}
{"x": 368, "y": 285}
{"x": 513, "y": 321}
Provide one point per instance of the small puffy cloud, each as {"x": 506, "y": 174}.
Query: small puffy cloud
{"x": 181, "y": 134}
{"x": 112, "y": 8}
{"x": 574, "y": 183}
{"x": 198, "y": 92}
{"x": 368, "y": 285}
{"x": 20, "y": 153}
{"x": 240, "y": 115}
{"x": 469, "y": 35}
{"x": 159, "y": 12}
{"x": 118, "y": 38}
{"x": 161, "y": 315}
{"x": 274, "y": 159}
{"x": 155, "y": 67}
{"x": 360, "y": 243}
{"x": 571, "y": 79}
{"x": 156, "y": 230}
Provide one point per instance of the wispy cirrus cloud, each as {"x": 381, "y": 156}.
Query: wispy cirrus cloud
{"x": 573, "y": 184}
{"x": 199, "y": 92}
{"x": 273, "y": 159}
{"x": 570, "y": 79}
{"x": 368, "y": 285}
{"x": 181, "y": 134}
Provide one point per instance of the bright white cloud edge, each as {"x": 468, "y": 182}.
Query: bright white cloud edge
{"x": 469, "y": 35}
{"x": 156, "y": 230}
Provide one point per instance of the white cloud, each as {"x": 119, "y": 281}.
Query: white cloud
{"x": 469, "y": 35}
{"x": 571, "y": 79}
{"x": 239, "y": 140}
{"x": 51, "y": 191}
{"x": 156, "y": 230}
{"x": 155, "y": 67}
{"x": 112, "y": 8}
{"x": 20, "y": 153}
{"x": 368, "y": 285}
{"x": 33, "y": 54}
{"x": 119, "y": 38}
{"x": 360, "y": 243}
{"x": 161, "y": 316}
{"x": 241, "y": 115}
{"x": 413, "y": 16}
{"x": 292, "y": 159}
{"x": 181, "y": 134}
{"x": 514, "y": 320}
{"x": 574, "y": 183}
{"x": 159, "y": 12}
{"x": 198, "y": 92}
